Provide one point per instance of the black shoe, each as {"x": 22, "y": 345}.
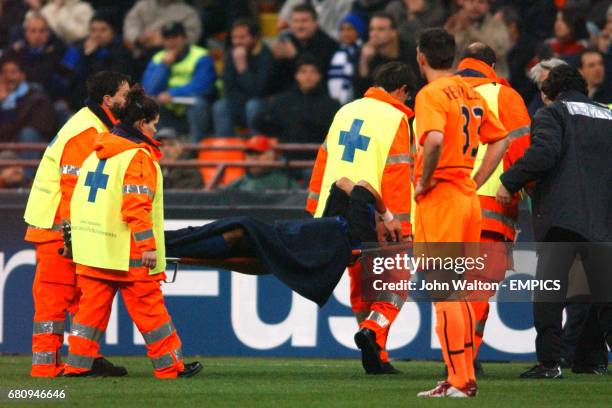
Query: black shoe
{"x": 387, "y": 368}
{"x": 190, "y": 370}
{"x": 565, "y": 362}
{"x": 101, "y": 368}
{"x": 597, "y": 370}
{"x": 365, "y": 339}
{"x": 104, "y": 368}
{"x": 542, "y": 371}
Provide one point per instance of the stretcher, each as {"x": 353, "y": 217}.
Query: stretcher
{"x": 252, "y": 265}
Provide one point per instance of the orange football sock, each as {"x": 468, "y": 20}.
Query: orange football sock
{"x": 468, "y": 320}
{"x": 450, "y": 328}
{"x": 481, "y": 312}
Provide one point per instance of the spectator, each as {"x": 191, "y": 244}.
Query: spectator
{"x": 218, "y": 15}
{"x": 474, "y": 23}
{"x": 341, "y": 72}
{"x": 329, "y": 12}
{"x": 142, "y": 27}
{"x": 102, "y": 50}
{"x": 383, "y": 46}
{"x": 412, "y": 16}
{"x": 523, "y": 48}
{"x": 69, "y": 19}
{"x": 304, "y": 37}
{"x": 26, "y": 113}
{"x": 181, "y": 70}
{"x": 40, "y": 53}
{"x": 246, "y": 71}
{"x": 367, "y": 8}
{"x": 12, "y": 177}
{"x": 260, "y": 178}
{"x": 172, "y": 149}
{"x": 570, "y": 33}
{"x": 302, "y": 114}
{"x": 591, "y": 64}
{"x": 538, "y": 74}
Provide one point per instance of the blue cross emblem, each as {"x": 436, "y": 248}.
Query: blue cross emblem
{"x": 353, "y": 140}
{"x": 96, "y": 180}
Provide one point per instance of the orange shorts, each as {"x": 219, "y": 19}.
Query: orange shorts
{"x": 446, "y": 213}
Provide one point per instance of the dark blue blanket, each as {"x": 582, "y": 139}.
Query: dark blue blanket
{"x": 308, "y": 255}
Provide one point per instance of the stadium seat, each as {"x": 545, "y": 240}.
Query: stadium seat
{"x": 230, "y": 173}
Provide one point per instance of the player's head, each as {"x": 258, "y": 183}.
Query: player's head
{"x": 140, "y": 111}
{"x": 396, "y": 78}
{"x": 563, "y": 78}
{"x": 108, "y": 89}
{"x": 435, "y": 50}
{"x": 481, "y": 52}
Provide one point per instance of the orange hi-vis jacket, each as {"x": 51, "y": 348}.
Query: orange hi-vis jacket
{"x": 395, "y": 183}
{"x": 137, "y": 203}
{"x": 513, "y": 115}
{"x": 74, "y": 153}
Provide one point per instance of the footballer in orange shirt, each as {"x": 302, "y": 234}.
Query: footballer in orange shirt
{"x": 451, "y": 119}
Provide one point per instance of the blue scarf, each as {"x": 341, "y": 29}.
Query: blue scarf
{"x": 10, "y": 102}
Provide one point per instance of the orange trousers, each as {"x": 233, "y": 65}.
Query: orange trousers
{"x": 377, "y": 315}
{"x": 497, "y": 265}
{"x": 145, "y": 304}
{"x": 55, "y": 293}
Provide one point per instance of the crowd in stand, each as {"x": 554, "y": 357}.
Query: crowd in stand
{"x": 216, "y": 74}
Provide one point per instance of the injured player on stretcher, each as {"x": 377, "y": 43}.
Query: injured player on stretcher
{"x": 308, "y": 255}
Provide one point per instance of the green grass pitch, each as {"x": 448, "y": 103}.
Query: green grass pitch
{"x": 282, "y": 382}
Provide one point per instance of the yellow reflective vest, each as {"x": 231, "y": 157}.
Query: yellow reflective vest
{"x": 100, "y": 237}
{"x": 490, "y": 93}
{"x": 45, "y": 194}
{"x": 358, "y": 144}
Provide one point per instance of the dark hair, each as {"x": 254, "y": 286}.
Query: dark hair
{"x": 11, "y": 59}
{"x": 305, "y": 8}
{"x": 387, "y": 16}
{"x": 438, "y": 46}
{"x": 561, "y": 79}
{"x": 575, "y": 21}
{"x": 590, "y": 50}
{"x": 138, "y": 106}
{"x": 104, "y": 83}
{"x": 308, "y": 59}
{"x": 106, "y": 15}
{"x": 481, "y": 52}
{"x": 249, "y": 23}
{"x": 394, "y": 75}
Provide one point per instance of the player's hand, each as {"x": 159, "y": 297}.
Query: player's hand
{"x": 66, "y": 252}
{"x": 149, "y": 259}
{"x": 504, "y": 197}
{"x": 394, "y": 229}
{"x": 421, "y": 189}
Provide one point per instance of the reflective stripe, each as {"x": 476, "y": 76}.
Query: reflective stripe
{"x": 78, "y": 361}
{"x": 137, "y": 189}
{"x": 74, "y": 170}
{"x": 361, "y": 316}
{"x": 142, "y": 235}
{"x": 507, "y": 221}
{"x": 313, "y": 196}
{"x": 379, "y": 319}
{"x": 518, "y": 132}
{"x": 390, "y": 297}
{"x": 86, "y": 332}
{"x": 160, "y": 333}
{"x": 166, "y": 360}
{"x": 588, "y": 109}
{"x": 135, "y": 263}
{"x": 402, "y": 216}
{"x": 43, "y": 357}
{"x": 49, "y": 327}
{"x": 398, "y": 159}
